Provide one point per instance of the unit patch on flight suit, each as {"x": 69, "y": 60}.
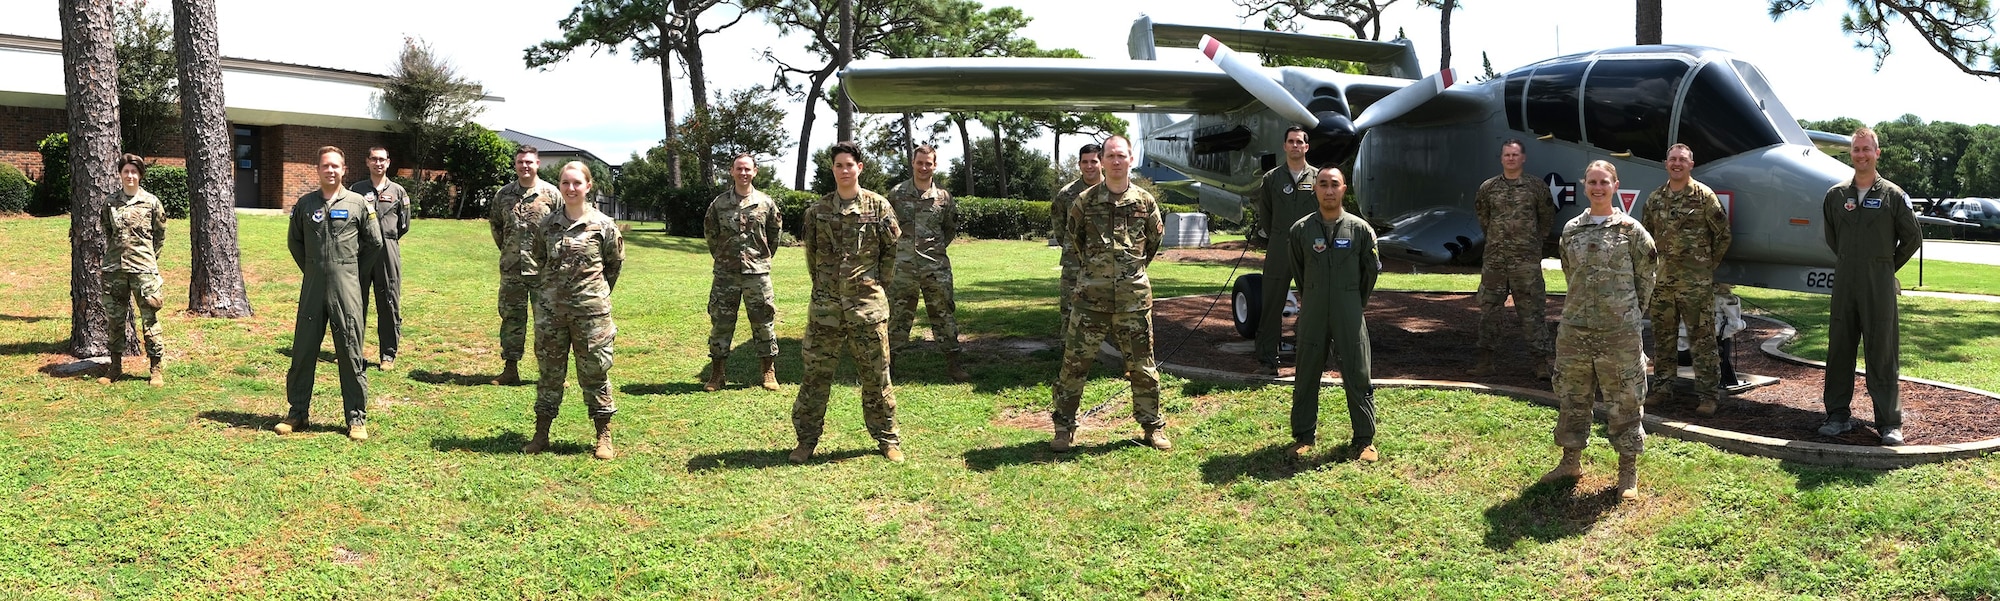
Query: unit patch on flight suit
{"x": 1319, "y": 245}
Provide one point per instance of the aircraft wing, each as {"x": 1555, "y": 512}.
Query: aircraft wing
{"x": 1040, "y": 84}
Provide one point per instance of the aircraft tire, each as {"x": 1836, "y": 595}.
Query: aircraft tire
{"x": 1246, "y": 302}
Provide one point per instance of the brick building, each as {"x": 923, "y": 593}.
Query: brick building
{"x": 280, "y": 114}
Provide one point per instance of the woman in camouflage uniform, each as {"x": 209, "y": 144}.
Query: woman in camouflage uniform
{"x": 581, "y": 251}
{"x": 135, "y": 227}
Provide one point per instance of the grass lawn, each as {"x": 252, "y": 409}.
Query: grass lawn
{"x": 128, "y": 491}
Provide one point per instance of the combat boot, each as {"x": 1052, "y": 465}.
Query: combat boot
{"x": 1368, "y": 454}
{"x": 802, "y": 453}
{"x": 541, "y": 440}
{"x": 954, "y": 368}
{"x": 509, "y": 375}
{"x": 715, "y": 379}
{"x": 604, "y": 450}
{"x": 158, "y": 379}
{"x": 113, "y": 371}
{"x": 1628, "y": 477}
{"x": 1571, "y": 466}
{"x": 1156, "y": 438}
{"x": 289, "y": 426}
{"x": 1659, "y": 394}
{"x": 1542, "y": 371}
{"x": 1065, "y": 439}
{"x": 357, "y": 432}
{"x": 1299, "y": 451}
{"x": 892, "y": 452}
{"x": 1484, "y": 366}
{"x": 1707, "y": 406}
{"x": 770, "y": 373}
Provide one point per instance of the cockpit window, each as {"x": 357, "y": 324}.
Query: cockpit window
{"x": 1768, "y": 99}
{"x": 1517, "y": 85}
{"x": 1719, "y": 118}
{"x": 1628, "y": 105}
{"x": 1552, "y": 100}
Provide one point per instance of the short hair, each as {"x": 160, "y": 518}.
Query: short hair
{"x": 1091, "y": 148}
{"x": 1128, "y": 143}
{"x": 923, "y": 149}
{"x": 846, "y": 147}
{"x": 1343, "y": 175}
{"x": 528, "y": 149}
{"x": 1295, "y": 128}
{"x": 134, "y": 161}
{"x": 1515, "y": 142}
{"x": 1680, "y": 146}
{"x": 372, "y": 149}
{"x": 1605, "y": 165}
{"x": 744, "y": 155}
{"x": 336, "y": 150}
{"x": 1866, "y": 131}
{"x": 579, "y": 166}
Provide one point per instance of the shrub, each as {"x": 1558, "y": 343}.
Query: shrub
{"x": 682, "y": 210}
{"x": 1002, "y": 218}
{"x": 171, "y": 185}
{"x": 52, "y": 193}
{"x": 428, "y": 199}
{"x": 15, "y": 189}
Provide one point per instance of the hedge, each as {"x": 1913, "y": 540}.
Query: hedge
{"x": 15, "y": 189}
{"x": 171, "y": 185}
{"x": 52, "y": 193}
{"x": 987, "y": 218}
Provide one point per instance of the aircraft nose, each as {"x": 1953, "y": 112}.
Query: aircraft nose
{"x": 1333, "y": 139}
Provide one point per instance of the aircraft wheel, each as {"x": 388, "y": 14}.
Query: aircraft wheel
{"x": 1246, "y": 303}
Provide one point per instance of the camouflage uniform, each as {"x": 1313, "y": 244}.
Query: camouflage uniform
{"x": 1115, "y": 236}
{"x": 1516, "y": 216}
{"x": 515, "y": 214}
{"x": 1691, "y": 233}
{"x": 1337, "y": 265}
{"x": 1873, "y": 233}
{"x": 135, "y": 229}
{"x": 392, "y": 206}
{"x": 1059, "y": 229}
{"x": 929, "y": 220}
{"x": 1281, "y": 201}
{"x": 333, "y": 241}
{"x": 742, "y": 233}
{"x": 580, "y": 261}
{"x": 1598, "y": 348}
{"x": 850, "y": 248}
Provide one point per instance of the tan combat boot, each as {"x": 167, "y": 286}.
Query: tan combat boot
{"x": 770, "y": 373}
{"x": 1484, "y": 366}
{"x": 1628, "y": 477}
{"x": 1299, "y": 451}
{"x": 1571, "y": 466}
{"x": 1542, "y": 371}
{"x": 357, "y": 432}
{"x": 802, "y": 453}
{"x": 113, "y": 371}
{"x": 1157, "y": 439}
{"x": 604, "y": 450}
{"x": 1064, "y": 440}
{"x": 158, "y": 379}
{"x": 509, "y": 375}
{"x": 541, "y": 440}
{"x": 1368, "y": 454}
{"x": 715, "y": 379}
{"x": 1707, "y": 406}
{"x": 954, "y": 368}
{"x": 289, "y": 426}
{"x": 892, "y": 452}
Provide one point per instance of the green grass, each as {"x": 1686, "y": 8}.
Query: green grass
{"x": 1946, "y": 276}
{"x": 133, "y": 492}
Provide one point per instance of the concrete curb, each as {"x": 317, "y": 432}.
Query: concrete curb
{"x": 1813, "y": 453}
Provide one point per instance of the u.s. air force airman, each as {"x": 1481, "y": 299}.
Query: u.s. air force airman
{"x": 581, "y": 252}
{"x": 334, "y": 238}
{"x": 850, "y": 246}
{"x": 929, "y": 219}
{"x": 1090, "y": 173}
{"x": 1285, "y": 197}
{"x": 1691, "y": 233}
{"x": 135, "y": 231}
{"x": 518, "y": 208}
{"x": 392, "y": 206}
{"x": 1117, "y": 229}
{"x": 1516, "y": 214}
{"x": 742, "y": 226}
{"x": 1608, "y": 260}
{"x": 1873, "y": 232}
{"x": 1332, "y": 252}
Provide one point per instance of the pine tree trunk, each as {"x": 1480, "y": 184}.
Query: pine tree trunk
{"x": 90, "y": 81}
{"x": 844, "y": 110}
{"x": 672, "y": 141}
{"x": 966, "y": 142}
{"x": 697, "y": 70}
{"x": 1648, "y": 22}
{"x": 806, "y": 130}
{"x": 1000, "y": 156}
{"x": 215, "y": 281}
{"x": 1444, "y": 33}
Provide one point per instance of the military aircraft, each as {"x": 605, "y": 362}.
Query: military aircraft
{"x": 1430, "y": 140}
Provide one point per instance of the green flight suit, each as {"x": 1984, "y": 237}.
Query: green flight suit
{"x": 1337, "y": 265}
{"x": 333, "y": 241}
{"x": 1872, "y": 232}
{"x": 385, "y": 282}
{"x": 1281, "y": 201}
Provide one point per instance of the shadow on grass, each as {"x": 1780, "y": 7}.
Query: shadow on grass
{"x": 458, "y": 379}
{"x": 1812, "y": 477}
{"x": 766, "y": 458}
{"x": 35, "y": 348}
{"x": 672, "y": 388}
{"x": 24, "y": 318}
{"x": 259, "y": 421}
{"x": 1268, "y": 464}
{"x": 325, "y": 356}
{"x": 986, "y": 460}
{"x": 660, "y": 240}
{"x": 506, "y": 443}
{"x": 1546, "y": 512}
{"x": 1199, "y": 388}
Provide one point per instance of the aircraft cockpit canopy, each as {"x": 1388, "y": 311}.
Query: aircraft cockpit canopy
{"x": 1643, "y": 99}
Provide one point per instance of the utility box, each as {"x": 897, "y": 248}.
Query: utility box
{"x": 1186, "y": 230}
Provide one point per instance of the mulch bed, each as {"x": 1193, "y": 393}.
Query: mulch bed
{"x": 1429, "y": 336}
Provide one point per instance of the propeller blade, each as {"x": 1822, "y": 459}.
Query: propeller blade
{"x": 1403, "y": 101}
{"x": 1259, "y": 83}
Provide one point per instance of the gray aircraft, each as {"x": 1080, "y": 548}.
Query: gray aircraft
{"x": 1431, "y": 140}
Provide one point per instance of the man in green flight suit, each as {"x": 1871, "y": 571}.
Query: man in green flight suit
{"x": 334, "y": 237}
{"x": 1873, "y": 232}
{"x": 1285, "y": 197}
{"x": 392, "y": 207}
{"x": 1333, "y": 254}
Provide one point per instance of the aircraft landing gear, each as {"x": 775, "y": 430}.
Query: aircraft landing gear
{"x": 1246, "y": 302}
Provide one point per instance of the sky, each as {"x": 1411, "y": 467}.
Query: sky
{"x": 611, "y": 106}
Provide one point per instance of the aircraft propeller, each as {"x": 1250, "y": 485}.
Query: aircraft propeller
{"x": 1335, "y": 138}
